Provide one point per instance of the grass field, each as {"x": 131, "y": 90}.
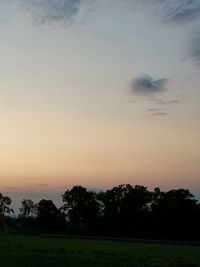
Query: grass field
{"x": 29, "y": 251}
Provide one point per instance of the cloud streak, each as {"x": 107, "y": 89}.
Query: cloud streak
{"x": 159, "y": 113}
{"x": 145, "y": 85}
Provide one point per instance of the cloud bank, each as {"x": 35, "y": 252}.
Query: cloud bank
{"x": 146, "y": 85}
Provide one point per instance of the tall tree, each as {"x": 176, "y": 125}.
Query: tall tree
{"x": 80, "y": 205}
{"x": 175, "y": 213}
{"x": 28, "y": 208}
{"x": 49, "y": 217}
{"x": 5, "y": 203}
{"x": 124, "y": 206}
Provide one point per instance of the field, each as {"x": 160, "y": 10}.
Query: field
{"x": 29, "y": 251}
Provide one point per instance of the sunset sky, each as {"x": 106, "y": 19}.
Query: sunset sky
{"x": 99, "y": 93}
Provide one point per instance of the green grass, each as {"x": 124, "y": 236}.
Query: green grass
{"x": 29, "y": 251}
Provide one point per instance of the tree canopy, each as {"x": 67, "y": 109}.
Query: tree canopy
{"x": 124, "y": 210}
{"x": 5, "y": 203}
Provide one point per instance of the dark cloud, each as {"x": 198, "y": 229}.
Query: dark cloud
{"x": 180, "y": 10}
{"x": 52, "y": 12}
{"x": 146, "y": 85}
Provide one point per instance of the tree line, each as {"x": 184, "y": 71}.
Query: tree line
{"x": 123, "y": 211}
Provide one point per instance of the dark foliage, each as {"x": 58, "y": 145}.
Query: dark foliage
{"x": 81, "y": 208}
{"x": 5, "y": 203}
{"x": 49, "y": 217}
{"x": 28, "y": 209}
{"x": 124, "y": 210}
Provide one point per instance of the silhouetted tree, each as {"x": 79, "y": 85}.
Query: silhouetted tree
{"x": 111, "y": 202}
{"x": 28, "y": 208}
{"x": 124, "y": 207}
{"x": 49, "y": 217}
{"x": 80, "y": 205}
{"x": 5, "y": 203}
{"x": 175, "y": 213}
{"x": 124, "y": 210}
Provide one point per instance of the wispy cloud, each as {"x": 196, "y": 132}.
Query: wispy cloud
{"x": 161, "y": 113}
{"x": 174, "y": 101}
{"x": 147, "y": 86}
{"x": 177, "y": 11}
{"x": 180, "y": 10}
{"x": 52, "y": 12}
{"x": 42, "y": 185}
{"x": 194, "y": 51}
{"x": 153, "y": 110}
{"x": 156, "y": 112}
{"x": 166, "y": 102}
{"x": 9, "y": 188}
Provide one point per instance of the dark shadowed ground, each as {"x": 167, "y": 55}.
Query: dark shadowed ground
{"x": 29, "y": 251}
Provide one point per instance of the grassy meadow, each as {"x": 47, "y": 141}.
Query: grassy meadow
{"x": 29, "y": 251}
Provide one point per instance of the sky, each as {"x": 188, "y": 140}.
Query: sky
{"x": 99, "y": 93}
